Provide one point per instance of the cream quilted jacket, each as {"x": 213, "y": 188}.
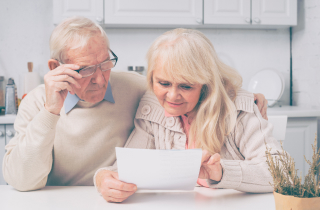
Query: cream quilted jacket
{"x": 243, "y": 153}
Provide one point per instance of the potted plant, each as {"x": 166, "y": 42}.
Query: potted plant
{"x": 289, "y": 191}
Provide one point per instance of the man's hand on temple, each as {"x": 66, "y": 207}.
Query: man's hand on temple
{"x": 57, "y": 84}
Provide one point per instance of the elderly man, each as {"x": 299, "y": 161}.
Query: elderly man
{"x": 68, "y": 128}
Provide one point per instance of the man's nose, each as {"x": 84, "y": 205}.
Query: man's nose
{"x": 98, "y": 77}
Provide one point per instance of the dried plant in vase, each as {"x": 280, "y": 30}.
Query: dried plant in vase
{"x": 289, "y": 192}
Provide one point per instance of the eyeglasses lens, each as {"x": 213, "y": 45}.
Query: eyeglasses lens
{"x": 107, "y": 65}
{"x": 87, "y": 71}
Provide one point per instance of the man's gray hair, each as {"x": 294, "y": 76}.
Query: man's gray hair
{"x": 73, "y": 33}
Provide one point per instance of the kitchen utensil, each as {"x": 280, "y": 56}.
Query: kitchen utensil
{"x": 11, "y": 98}
{"x": 269, "y": 83}
{"x": 31, "y": 79}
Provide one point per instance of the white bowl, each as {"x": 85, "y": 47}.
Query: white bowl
{"x": 269, "y": 83}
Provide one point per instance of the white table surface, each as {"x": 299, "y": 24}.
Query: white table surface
{"x": 79, "y": 198}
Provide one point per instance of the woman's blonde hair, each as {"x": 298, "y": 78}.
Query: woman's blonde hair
{"x": 73, "y": 33}
{"x": 187, "y": 55}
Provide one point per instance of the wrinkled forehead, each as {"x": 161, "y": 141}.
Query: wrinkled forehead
{"x": 96, "y": 50}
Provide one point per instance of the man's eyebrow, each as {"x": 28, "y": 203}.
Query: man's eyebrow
{"x": 84, "y": 66}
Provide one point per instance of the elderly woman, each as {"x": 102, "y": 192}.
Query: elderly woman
{"x": 196, "y": 101}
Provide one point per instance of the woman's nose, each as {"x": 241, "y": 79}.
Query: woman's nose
{"x": 173, "y": 94}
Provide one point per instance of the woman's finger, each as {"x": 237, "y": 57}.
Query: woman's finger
{"x": 119, "y": 193}
{"x": 214, "y": 159}
{"x": 119, "y": 185}
{"x": 114, "y": 200}
{"x": 205, "y": 156}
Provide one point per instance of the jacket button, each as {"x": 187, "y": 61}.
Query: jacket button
{"x": 145, "y": 109}
{"x": 170, "y": 121}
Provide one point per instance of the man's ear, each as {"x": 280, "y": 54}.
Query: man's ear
{"x": 52, "y": 63}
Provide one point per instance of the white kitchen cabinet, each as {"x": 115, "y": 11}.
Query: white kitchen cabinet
{"x": 299, "y": 138}
{"x": 181, "y": 13}
{"x": 92, "y": 9}
{"x": 251, "y": 12}
{"x": 274, "y": 12}
{"x": 302, "y": 127}
{"x": 153, "y": 12}
{"x": 227, "y": 12}
{"x": 6, "y": 133}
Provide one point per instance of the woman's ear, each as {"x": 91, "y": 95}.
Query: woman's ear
{"x": 52, "y": 63}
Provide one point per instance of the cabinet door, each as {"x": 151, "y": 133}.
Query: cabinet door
{"x": 10, "y": 132}
{"x": 92, "y": 9}
{"x": 274, "y": 12}
{"x": 2, "y": 151}
{"x": 153, "y": 12}
{"x": 299, "y": 137}
{"x": 227, "y": 12}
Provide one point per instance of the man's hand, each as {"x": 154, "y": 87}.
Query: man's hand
{"x": 111, "y": 188}
{"x": 210, "y": 166}
{"x": 262, "y": 104}
{"x": 57, "y": 84}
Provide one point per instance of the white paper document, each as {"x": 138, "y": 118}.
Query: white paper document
{"x": 159, "y": 169}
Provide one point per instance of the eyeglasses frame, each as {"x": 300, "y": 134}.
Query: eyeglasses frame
{"x": 99, "y": 64}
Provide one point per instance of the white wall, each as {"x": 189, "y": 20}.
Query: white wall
{"x": 26, "y": 26}
{"x": 306, "y": 55}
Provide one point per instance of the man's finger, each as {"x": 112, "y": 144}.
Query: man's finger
{"x": 64, "y": 86}
{"x": 63, "y": 70}
{"x": 66, "y": 78}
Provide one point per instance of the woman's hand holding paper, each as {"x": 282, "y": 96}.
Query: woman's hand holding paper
{"x": 112, "y": 189}
{"x": 210, "y": 166}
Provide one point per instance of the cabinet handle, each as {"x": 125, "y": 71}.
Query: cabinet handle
{"x": 10, "y": 133}
{"x": 257, "y": 20}
{"x": 99, "y": 19}
{"x": 248, "y": 20}
{"x": 199, "y": 20}
{"x": 1, "y": 134}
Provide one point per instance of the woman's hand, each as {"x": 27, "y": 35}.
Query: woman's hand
{"x": 111, "y": 188}
{"x": 262, "y": 104}
{"x": 210, "y": 166}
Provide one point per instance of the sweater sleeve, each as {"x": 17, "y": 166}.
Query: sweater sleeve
{"x": 141, "y": 137}
{"x": 252, "y": 134}
{"x": 28, "y": 158}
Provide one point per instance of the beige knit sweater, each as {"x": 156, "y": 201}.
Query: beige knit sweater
{"x": 66, "y": 150}
{"x": 243, "y": 153}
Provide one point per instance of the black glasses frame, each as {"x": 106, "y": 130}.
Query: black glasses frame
{"x": 115, "y": 58}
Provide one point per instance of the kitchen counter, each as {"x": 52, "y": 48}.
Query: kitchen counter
{"x": 86, "y": 197}
{"x": 290, "y": 111}
{"x": 294, "y": 111}
{"x": 7, "y": 119}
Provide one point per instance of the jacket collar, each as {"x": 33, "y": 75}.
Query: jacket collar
{"x": 72, "y": 100}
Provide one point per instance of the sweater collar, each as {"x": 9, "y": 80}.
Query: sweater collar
{"x": 72, "y": 100}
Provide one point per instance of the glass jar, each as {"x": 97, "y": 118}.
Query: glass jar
{"x": 2, "y": 92}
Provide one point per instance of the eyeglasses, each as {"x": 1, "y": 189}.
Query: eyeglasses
{"x": 104, "y": 66}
